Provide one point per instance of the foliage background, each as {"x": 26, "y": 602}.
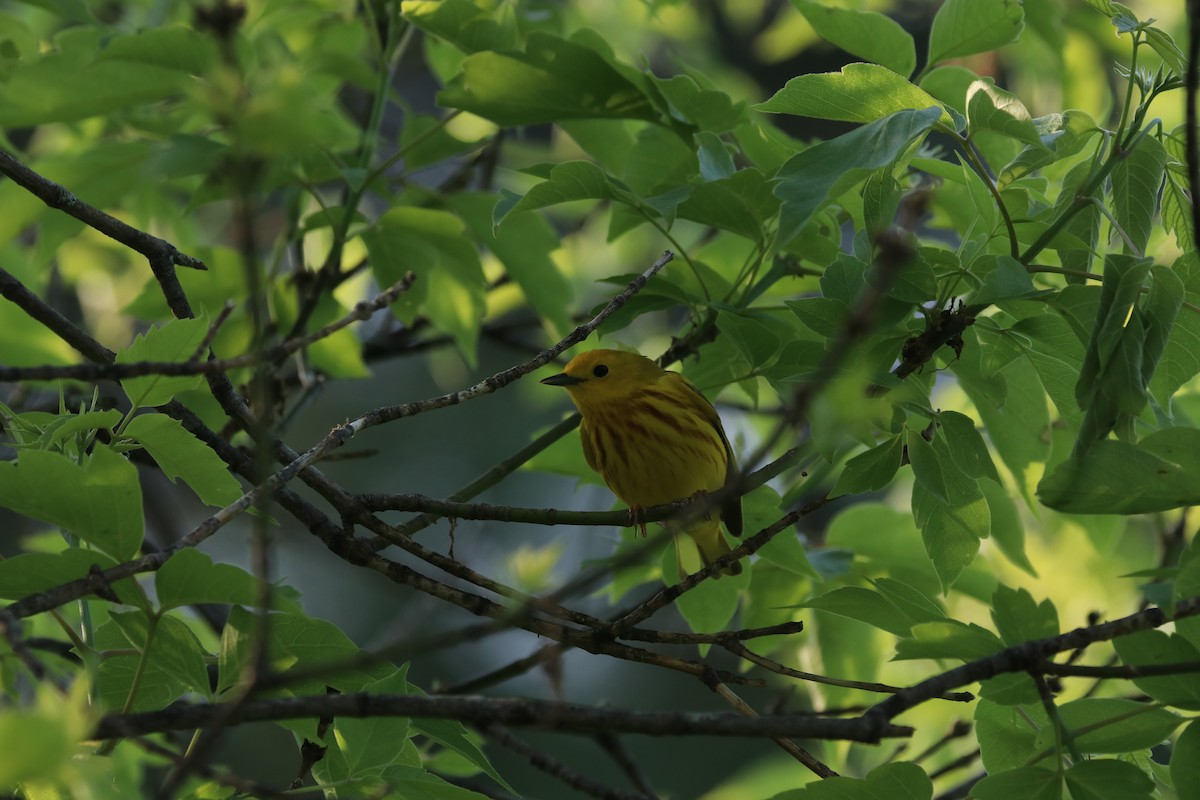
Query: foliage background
{"x": 219, "y": 134}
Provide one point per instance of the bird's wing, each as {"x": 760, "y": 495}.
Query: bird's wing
{"x": 731, "y": 509}
{"x": 589, "y": 454}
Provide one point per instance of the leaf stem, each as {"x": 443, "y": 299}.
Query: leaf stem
{"x": 976, "y": 161}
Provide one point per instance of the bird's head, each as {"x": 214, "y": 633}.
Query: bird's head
{"x": 603, "y": 376}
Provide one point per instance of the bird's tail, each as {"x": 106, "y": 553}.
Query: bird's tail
{"x": 712, "y": 545}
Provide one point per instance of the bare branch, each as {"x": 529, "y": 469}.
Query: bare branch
{"x": 740, "y": 650}
{"x": 1025, "y": 657}
{"x": 518, "y": 712}
{"x": 57, "y": 196}
{"x": 502, "y": 379}
{"x": 552, "y": 766}
{"x": 787, "y": 745}
{"x": 109, "y": 370}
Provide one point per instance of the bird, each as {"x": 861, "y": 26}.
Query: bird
{"x": 654, "y": 438}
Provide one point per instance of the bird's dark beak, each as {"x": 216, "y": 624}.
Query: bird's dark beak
{"x": 561, "y": 379}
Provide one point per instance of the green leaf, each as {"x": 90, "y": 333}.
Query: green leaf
{"x": 523, "y": 244}
{"x": 1003, "y": 278}
{"x": 881, "y": 195}
{"x": 857, "y": 529}
{"x": 553, "y": 79}
{"x": 1185, "y": 756}
{"x": 826, "y": 170}
{"x": 71, "y": 424}
{"x": 175, "y": 341}
{"x": 990, "y": 108}
{"x": 425, "y": 141}
{"x": 42, "y": 739}
{"x": 181, "y": 455}
{"x": 710, "y": 605}
{"x": 965, "y": 27}
{"x": 859, "y": 93}
{"x": 1155, "y": 647}
{"x": 916, "y": 283}
{"x": 1106, "y": 779}
{"x": 450, "y": 285}
{"x": 173, "y": 666}
{"x": 716, "y": 162}
{"x": 1114, "y": 477}
{"x": 100, "y": 501}
{"x": 865, "y": 606}
{"x": 1062, "y": 135}
{"x": 1076, "y": 241}
{"x": 871, "y": 470}
{"x": 951, "y": 529}
{"x": 948, "y": 638}
{"x": 926, "y": 468}
{"x": 1010, "y": 689}
{"x": 741, "y": 204}
{"x": 1115, "y": 725}
{"x": 456, "y": 737}
{"x": 1027, "y": 783}
{"x": 966, "y": 446}
{"x": 912, "y": 602}
{"x": 901, "y": 780}
{"x": 706, "y": 108}
{"x": 1180, "y": 361}
{"x": 1159, "y": 310}
{"x": 948, "y": 506}
{"x": 1006, "y": 734}
{"x": 866, "y": 34}
{"x": 1167, "y": 50}
{"x": 190, "y": 577}
{"x": 755, "y": 339}
{"x": 844, "y": 279}
{"x": 401, "y": 780}
{"x": 464, "y": 24}
{"x": 1019, "y": 618}
{"x": 949, "y": 84}
{"x": 370, "y": 745}
{"x": 823, "y": 315}
{"x": 1008, "y": 532}
{"x": 1177, "y": 212}
{"x": 295, "y": 640}
{"x": 77, "y": 79}
{"x": 571, "y": 180}
{"x": 1110, "y": 380}
{"x": 28, "y": 573}
{"x": 1017, "y": 423}
{"x": 1135, "y": 183}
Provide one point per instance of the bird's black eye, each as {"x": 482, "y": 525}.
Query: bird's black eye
{"x": 600, "y": 370}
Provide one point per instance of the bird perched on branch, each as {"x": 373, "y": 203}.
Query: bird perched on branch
{"x": 655, "y": 439}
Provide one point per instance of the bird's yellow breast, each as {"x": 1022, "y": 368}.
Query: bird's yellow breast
{"x": 655, "y": 447}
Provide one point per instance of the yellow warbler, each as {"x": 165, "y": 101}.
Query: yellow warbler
{"x": 654, "y": 438}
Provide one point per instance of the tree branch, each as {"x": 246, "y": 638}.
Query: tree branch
{"x": 517, "y": 712}
{"x": 109, "y": 370}
{"x": 552, "y": 766}
{"x": 1025, "y": 657}
{"x": 58, "y": 197}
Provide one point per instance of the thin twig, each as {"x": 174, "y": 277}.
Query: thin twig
{"x": 740, "y": 650}
{"x": 552, "y": 766}
{"x": 501, "y": 379}
{"x": 1025, "y": 657}
{"x": 236, "y": 782}
{"x": 517, "y": 711}
{"x": 114, "y": 371}
{"x": 797, "y": 752}
{"x": 57, "y": 196}
{"x": 613, "y": 745}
